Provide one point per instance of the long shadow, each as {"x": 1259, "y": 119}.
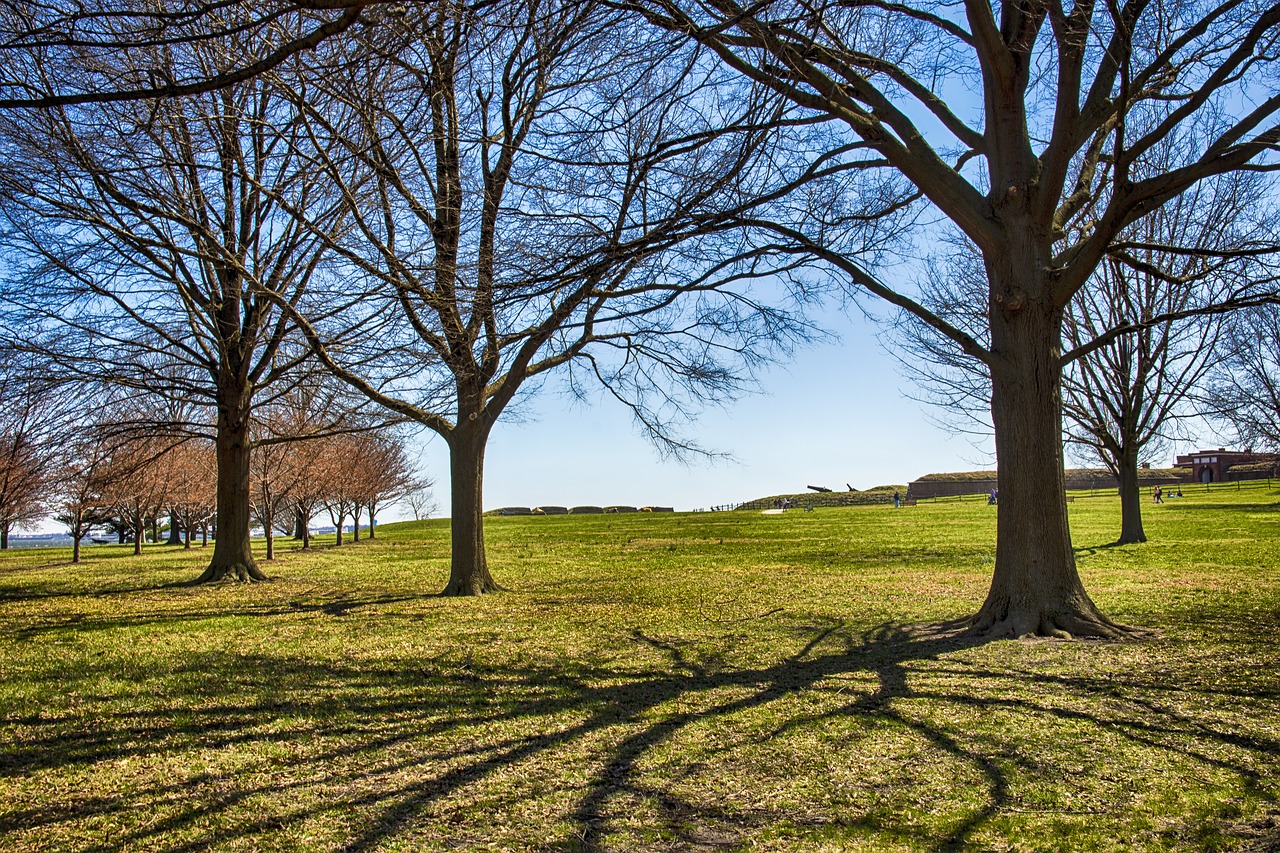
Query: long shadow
{"x": 334, "y": 606}
{"x": 403, "y": 736}
{"x": 10, "y": 595}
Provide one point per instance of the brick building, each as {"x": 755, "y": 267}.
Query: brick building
{"x": 1214, "y": 466}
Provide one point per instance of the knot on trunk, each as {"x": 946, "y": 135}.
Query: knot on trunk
{"x": 1012, "y": 302}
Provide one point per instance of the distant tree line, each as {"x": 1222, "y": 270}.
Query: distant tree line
{"x": 122, "y": 468}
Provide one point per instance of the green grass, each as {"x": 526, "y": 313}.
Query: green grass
{"x": 652, "y": 682}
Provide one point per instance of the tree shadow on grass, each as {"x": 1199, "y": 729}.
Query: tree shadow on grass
{"x": 21, "y": 594}
{"x": 391, "y": 748}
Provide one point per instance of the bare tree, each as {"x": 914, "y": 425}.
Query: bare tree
{"x": 1244, "y": 389}
{"x": 1125, "y": 392}
{"x": 31, "y": 419}
{"x": 135, "y": 487}
{"x": 274, "y": 473}
{"x": 383, "y": 475}
{"x": 1036, "y": 171}
{"x": 332, "y": 463}
{"x": 158, "y": 256}
{"x": 61, "y": 53}
{"x": 536, "y": 185}
{"x": 420, "y": 499}
{"x": 190, "y": 471}
{"x": 81, "y": 478}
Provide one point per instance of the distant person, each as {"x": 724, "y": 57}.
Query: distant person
{"x": 1179, "y": 493}
{"x": 992, "y": 497}
{"x": 897, "y": 500}
{"x": 1157, "y": 495}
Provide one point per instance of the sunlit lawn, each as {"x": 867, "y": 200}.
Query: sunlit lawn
{"x": 651, "y": 682}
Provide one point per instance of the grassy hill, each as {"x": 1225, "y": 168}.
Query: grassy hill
{"x": 651, "y": 682}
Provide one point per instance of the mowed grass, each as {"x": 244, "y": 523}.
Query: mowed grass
{"x": 651, "y": 682}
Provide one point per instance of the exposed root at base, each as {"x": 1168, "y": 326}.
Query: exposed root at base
{"x": 238, "y": 572}
{"x": 457, "y": 590}
{"x": 1043, "y": 625}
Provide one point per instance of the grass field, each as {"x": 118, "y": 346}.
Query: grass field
{"x": 652, "y": 682}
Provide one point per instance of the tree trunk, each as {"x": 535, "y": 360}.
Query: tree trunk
{"x": 299, "y": 524}
{"x": 304, "y": 528}
{"x": 1130, "y": 499}
{"x": 468, "y": 570}
{"x": 355, "y": 524}
{"x": 232, "y": 552}
{"x": 4, "y": 536}
{"x": 1035, "y": 589}
{"x": 269, "y": 517}
{"x": 373, "y": 524}
{"x": 175, "y": 530}
{"x": 337, "y": 543}
{"x": 139, "y": 533}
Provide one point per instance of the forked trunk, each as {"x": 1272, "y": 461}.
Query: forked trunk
{"x": 1130, "y": 500}
{"x": 468, "y": 570}
{"x": 1035, "y": 589}
{"x": 373, "y": 524}
{"x": 232, "y": 554}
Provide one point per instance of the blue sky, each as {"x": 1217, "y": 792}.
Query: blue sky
{"x": 837, "y": 413}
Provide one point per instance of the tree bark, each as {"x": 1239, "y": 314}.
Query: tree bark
{"x": 77, "y": 533}
{"x": 372, "y": 523}
{"x": 1035, "y": 589}
{"x": 299, "y": 525}
{"x": 269, "y": 518}
{"x": 232, "y": 552}
{"x": 4, "y": 536}
{"x": 469, "y": 569}
{"x": 1130, "y": 499}
{"x": 175, "y": 530}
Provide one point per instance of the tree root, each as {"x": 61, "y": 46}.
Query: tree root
{"x": 476, "y": 584}
{"x": 470, "y": 588}
{"x": 244, "y": 573}
{"x": 1028, "y": 624}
